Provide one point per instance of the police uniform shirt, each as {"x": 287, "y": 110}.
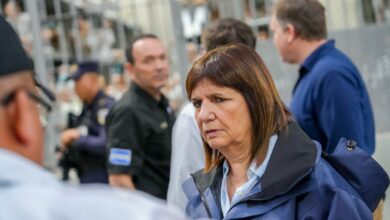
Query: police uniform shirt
{"x": 91, "y": 146}
{"x": 139, "y": 140}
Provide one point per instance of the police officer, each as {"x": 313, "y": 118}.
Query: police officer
{"x": 85, "y": 142}
{"x": 139, "y": 126}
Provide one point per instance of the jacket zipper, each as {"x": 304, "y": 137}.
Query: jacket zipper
{"x": 202, "y": 197}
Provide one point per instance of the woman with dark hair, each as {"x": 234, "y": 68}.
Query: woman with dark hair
{"x": 260, "y": 164}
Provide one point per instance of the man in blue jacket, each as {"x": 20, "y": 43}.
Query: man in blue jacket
{"x": 330, "y": 99}
{"x": 86, "y": 140}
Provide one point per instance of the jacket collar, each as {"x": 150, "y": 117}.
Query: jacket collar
{"x": 293, "y": 158}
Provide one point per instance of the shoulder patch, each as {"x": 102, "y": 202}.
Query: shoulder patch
{"x": 121, "y": 157}
{"x": 101, "y": 116}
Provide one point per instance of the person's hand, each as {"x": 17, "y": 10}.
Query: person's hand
{"x": 68, "y": 136}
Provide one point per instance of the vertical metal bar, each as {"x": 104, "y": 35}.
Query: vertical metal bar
{"x": 42, "y": 9}
{"x": 359, "y": 7}
{"x": 151, "y": 8}
{"x": 252, "y": 8}
{"x": 221, "y": 9}
{"x": 253, "y": 15}
{"x": 49, "y": 60}
{"x": 121, "y": 28}
{"x": 181, "y": 53}
{"x": 135, "y": 12}
{"x": 231, "y": 8}
{"x": 329, "y": 16}
{"x": 93, "y": 48}
{"x": 76, "y": 32}
{"x": 61, "y": 32}
{"x": 39, "y": 57}
{"x": 346, "y": 18}
{"x": 268, "y": 6}
{"x": 238, "y": 9}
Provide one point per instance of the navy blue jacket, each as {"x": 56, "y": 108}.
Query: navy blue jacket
{"x": 91, "y": 146}
{"x": 330, "y": 100}
{"x": 298, "y": 183}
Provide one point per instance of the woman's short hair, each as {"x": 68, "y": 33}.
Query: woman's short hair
{"x": 239, "y": 67}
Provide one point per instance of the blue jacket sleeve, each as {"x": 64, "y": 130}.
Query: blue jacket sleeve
{"x": 339, "y": 108}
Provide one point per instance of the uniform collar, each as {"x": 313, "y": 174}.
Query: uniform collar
{"x": 95, "y": 100}
{"x": 16, "y": 170}
{"x": 145, "y": 96}
{"x": 312, "y": 59}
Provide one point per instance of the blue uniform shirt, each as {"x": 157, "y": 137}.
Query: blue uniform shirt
{"x": 91, "y": 146}
{"x": 330, "y": 100}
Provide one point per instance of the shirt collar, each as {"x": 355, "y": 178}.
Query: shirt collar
{"x": 162, "y": 103}
{"x": 315, "y": 56}
{"x": 15, "y": 169}
{"x": 253, "y": 169}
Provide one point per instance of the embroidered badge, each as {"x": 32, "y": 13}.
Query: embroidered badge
{"x": 121, "y": 157}
{"x": 101, "y": 116}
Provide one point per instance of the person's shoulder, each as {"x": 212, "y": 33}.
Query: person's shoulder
{"x": 125, "y": 103}
{"x": 188, "y": 111}
{"x": 106, "y": 101}
{"x": 335, "y": 61}
{"x": 88, "y": 202}
{"x": 120, "y": 111}
{"x": 116, "y": 203}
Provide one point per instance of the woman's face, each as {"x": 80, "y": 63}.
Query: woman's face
{"x": 222, "y": 116}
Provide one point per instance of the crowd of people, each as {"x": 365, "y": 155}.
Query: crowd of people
{"x": 235, "y": 151}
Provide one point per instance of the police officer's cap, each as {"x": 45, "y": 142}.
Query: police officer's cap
{"x": 83, "y": 68}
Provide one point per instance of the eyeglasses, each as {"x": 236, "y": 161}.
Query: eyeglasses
{"x": 43, "y": 106}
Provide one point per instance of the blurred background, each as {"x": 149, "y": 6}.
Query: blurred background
{"x": 59, "y": 33}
